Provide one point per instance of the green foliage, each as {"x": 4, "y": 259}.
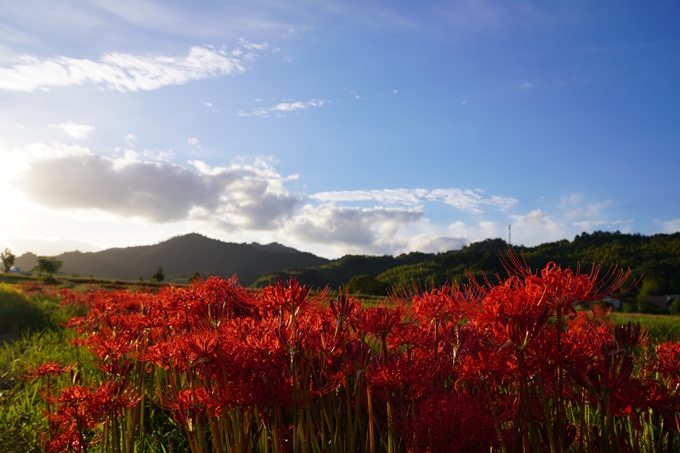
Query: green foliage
{"x": 629, "y": 307}
{"x": 18, "y": 313}
{"x": 674, "y": 309}
{"x": 158, "y": 276}
{"x": 656, "y": 257}
{"x": 47, "y": 265}
{"x": 366, "y": 284}
{"x": 7, "y": 260}
{"x": 646, "y": 307}
{"x": 661, "y": 328}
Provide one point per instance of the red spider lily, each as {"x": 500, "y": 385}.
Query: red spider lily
{"x": 345, "y": 309}
{"x": 400, "y": 373}
{"x": 440, "y": 305}
{"x": 78, "y": 410}
{"x": 49, "y": 369}
{"x": 188, "y": 410}
{"x": 662, "y": 401}
{"x": 668, "y": 364}
{"x": 291, "y": 298}
{"x": 454, "y": 422}
{"x": 563, "y": 287}
{"x": 379, "y": 321}
{"x": 411, "y": 335}
{"x": 458, "y": 369}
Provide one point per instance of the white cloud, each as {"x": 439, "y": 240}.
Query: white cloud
{"x": 575, "y": 206}
{"x": 158, "y": 155}
{"x": 671, "y": 226}
{"x": 535, "y": 217}
{"x": 251, "y": 198}
{"x": 130, "y": 139}
{"x": 236, "y": 197}
{"x": 192, "y": 141}
{"x": 429, "y": 243}
{"x": 470, "y": 200}
{"x": 527, "y": 85}
{"x": 284, "y": 108}
{"x": 253, "y": 46}
{"x": 118, "y": 71}
{"x": 77, "y": 131}
{"x": 47, "y": 246}
{"x": 589, "y": 224}
{"x": 463, "y": 199}
{"x": 359, "y": 230}
{"x": 389, "y": 196}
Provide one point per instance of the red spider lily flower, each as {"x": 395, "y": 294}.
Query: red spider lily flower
{"x": 215, "y": 299}
{"x": 630, "y": 336}
{"x": 514, "y": 312}
{"x": 346, "y": 308}
{"x": 401, "y": 372}
{"x": 410, "y": 336}
{"x": 563, "y": 287}
{"x": 379, "y": 321}
{"x": 203, "y": 345}
{"x": 290, "y": 298}
{"x": 79, "y": 410}
{"x": 440, "y": 305}
{"x": 49, "y": 369}
{"x": 188, "y": 410}
{"x": 668, "y": 364}
{"x": 454, "y": 422}
{"x": 661, "y": 401}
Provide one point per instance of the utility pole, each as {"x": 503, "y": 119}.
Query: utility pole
{"x": 509, "y": 235}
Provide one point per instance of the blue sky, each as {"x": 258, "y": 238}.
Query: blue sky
{"x": 372, "y": 127}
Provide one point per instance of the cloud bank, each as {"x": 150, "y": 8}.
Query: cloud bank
{"x": 465, "y": 200}
{"x": 121, "y": 72}
{"x": 245, "y": 198}
{"x": 237, "y": 197}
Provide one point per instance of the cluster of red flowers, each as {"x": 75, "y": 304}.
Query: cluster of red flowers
{"x": 506, "y": 367}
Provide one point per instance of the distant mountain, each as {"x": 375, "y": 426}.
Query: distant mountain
{"x": 180, "y": 257}
{"x": 656, "y": 257}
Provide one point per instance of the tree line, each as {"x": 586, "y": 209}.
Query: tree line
{"x": 655, "y": 257}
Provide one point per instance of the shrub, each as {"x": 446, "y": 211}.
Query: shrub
{"x": 675, "y": 307}
{"x": 629, "y": 307}
{"x": 18, "y": 312}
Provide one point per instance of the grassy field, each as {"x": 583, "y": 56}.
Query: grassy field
{"x": 661, "y": 327}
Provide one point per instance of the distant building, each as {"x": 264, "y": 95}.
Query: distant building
{"x": 17, "y": 270}
{"x": 662, "y": 302}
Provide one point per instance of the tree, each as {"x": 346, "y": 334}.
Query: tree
{"x": 158, "y": 275}
{"x": 366, "y": 284}
{"x": 674, "y": 309}
{"x": 7, "y": 260}
{"x": 47, "y": 265}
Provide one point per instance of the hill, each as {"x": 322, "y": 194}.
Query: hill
{"x": 657, "y": 257}
{"x": 180, "y": 257}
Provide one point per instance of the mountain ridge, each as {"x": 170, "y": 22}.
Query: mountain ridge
{"x": 180, "y": 257}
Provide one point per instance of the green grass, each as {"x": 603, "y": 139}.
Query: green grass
{"x": 661, "y": 327}
{"x": 21, "y": 408}
{"x": 29, "y": 336}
